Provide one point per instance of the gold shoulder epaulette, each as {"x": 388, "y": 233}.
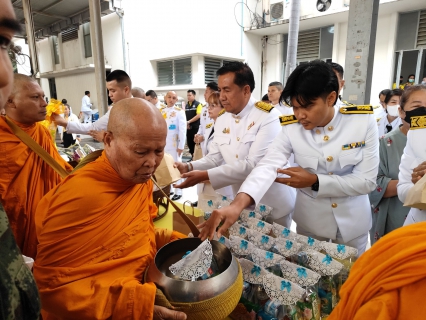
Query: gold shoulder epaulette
{"x": 177, "y": 108}
{"x": 209, "y": 125}
{"x": 418, "y": 122}
{"x": 285, "y": 120}
{"x": 162, "y": 105}
{"x": 264, "y": 106}
{"x": 348, "y": 104}
{"x": 221, "y": 112}
{"x": 357, "y": 110}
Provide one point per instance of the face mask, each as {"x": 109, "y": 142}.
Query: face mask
{"x": 423, "y": 82}
{"x": 393, "y": 110}
{"x": 411, "y": 80}
{"x": 421, "y": 111}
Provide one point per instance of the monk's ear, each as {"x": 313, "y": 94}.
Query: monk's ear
{"x": 108, "y": 138}
{"x": 10, "y": 104}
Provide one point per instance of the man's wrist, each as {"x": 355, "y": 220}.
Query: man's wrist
{"x": 315, "y": 185}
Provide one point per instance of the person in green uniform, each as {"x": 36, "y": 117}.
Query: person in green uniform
{"x": 387, "y": 210}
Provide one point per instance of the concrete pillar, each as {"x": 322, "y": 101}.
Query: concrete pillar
{"x": 98, "y": 55}
{"x": 361, "y": 40}
{"x": 293, "y": 37}
{"x": 29, "y": 28}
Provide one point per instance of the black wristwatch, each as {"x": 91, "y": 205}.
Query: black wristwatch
{"x": 315, "y": 186}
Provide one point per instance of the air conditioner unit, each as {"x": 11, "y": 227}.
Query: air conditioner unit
{"x": 276, "y": 10}
{"x": 316, "y": 7}
{"x": 328, "y": 6}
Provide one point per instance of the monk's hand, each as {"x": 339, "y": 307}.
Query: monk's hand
{"x": 418, "y": 172}
{"x": 97, "y": 135}
{"x": 226, "y": 215}
{"x": 59, "y": 120}
{"x": 298, "y": 177}
{"x": 162, "y": 313}
{"x": 179, "y": 151}
{"x": 192, "y": 178}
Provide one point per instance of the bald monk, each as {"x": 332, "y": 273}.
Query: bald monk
{"x": 389, "y": 280}
{"x": 25, "y": 178}
{"x": 95, "y": 230}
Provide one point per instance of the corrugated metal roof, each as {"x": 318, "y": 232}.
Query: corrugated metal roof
{"x": 53, "y": 16}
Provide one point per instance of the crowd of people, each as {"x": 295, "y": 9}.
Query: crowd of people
{"x": 313, "y": 158}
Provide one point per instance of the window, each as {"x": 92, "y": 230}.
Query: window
{"x": 174, "y": 72}
{"x": 70, "y": 34}
{"x": 87, "y": 40}
{"x": 211, "y": 65}
{"x": 55, "y": 46}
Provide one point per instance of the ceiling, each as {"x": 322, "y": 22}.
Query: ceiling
{"x": 53, "y": 16}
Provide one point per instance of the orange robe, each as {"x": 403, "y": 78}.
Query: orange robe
{"x": 96, "y": 239}
{"x": 24, "y": 179}
{"x": 389, "y": 280}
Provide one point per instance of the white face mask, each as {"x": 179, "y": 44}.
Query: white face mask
{"x": 393, "y": 110}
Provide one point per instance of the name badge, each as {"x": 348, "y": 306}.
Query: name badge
{"x": 172, "y": 127}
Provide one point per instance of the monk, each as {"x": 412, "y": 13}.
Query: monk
{"x": 25, "y": 178}
{"x": 95, "y": 229}
{"x": 389, "y": 280}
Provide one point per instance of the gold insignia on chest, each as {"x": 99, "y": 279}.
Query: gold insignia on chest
{"x": 365, "y": 109}
{"x": 266, "y": 107}
{"x": 418, "y": 122}
{"x": 353, "y": 145}
{"x": 285, "y": 120}
{"x": 250, "y": 125}
{"x": 209, "y": 125}
{"x": 173, "y": 114}
{"x": 226, "y": 130}
{"x": 165, "y": 115}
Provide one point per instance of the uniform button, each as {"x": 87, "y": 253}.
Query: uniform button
{"x": 238, "y": 139}
{"x": 329, "y": 158}
{"x": 236, "y": 156}
{"x": 330, "y": 128}
{"x": 334, "y": 205}
{"x": 325, "y": 138}
{"x": 330, "y": 173}
{"x": 237, "y": 121}
{"x": 317, "y": 131}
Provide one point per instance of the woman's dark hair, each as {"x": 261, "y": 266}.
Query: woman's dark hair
{"x": 411, "y": 75}
{"x": 243, "y": 74}
{"x": 64, "y": 101}
{"x": 212, "y": 85}
{"x": 214, "y": 98}
{"x": 407, "y": 93}
{"x": 391, "y": 93}
{"x": 315, "y": 79}
{"x": 265, "y": 98}
{"x": 384, "y": 92}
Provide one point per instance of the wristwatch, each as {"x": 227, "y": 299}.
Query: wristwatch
{"x": 315, "y": 186}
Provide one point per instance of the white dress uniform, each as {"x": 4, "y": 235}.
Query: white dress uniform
{"x": 204, "y": 121}
{"x": 345, "y": 156}
{"x": 241, "y": 141}
{"x": 206, "y": 188}
{"x": 414, "y": 154}
{"x": 383, "y": 122}
{"x": 283, "y": 109}
{"x": 176, "y": 133}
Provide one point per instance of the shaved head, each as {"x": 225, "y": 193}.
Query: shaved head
{"x": 138, "y": 93}
{"x": 26, "y": 103}
{"x": 135, "y": 139}
{"x": 171, "y": 98}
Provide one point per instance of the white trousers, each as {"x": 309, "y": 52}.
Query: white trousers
{"x": 177, "y": 158}
{"x": 87, "y": 116}
{"x": 359, "y": 243}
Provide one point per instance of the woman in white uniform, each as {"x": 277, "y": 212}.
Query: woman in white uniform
{"x": 413, "y": 161}
{"x": 215, "y": 110}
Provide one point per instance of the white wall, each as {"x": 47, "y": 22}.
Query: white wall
{"x": 168, "y": 28}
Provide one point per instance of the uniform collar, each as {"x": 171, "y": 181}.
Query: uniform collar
{"x": 246, "y": 109}
{"x": 334, "y": 122}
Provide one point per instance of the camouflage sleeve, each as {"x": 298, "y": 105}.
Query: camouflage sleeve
{"x": 18, "y": 290}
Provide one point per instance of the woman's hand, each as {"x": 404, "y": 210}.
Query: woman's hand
{"x": 192, "y": 178}
{"x": 182, "y": 167}
{"x": 418, "y": 172}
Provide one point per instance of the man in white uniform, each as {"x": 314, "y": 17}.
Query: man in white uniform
{"x": 176, "y": 131}
{"x": 119, "y": 86}
{"x": 151, "y": 96}
{"x": 337, "y": 151}
{"x": 86, "y": 107}
{"x": 274, "y": 93}
{"x": 242, "y": 137}
{"x": 205, "y": 120}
